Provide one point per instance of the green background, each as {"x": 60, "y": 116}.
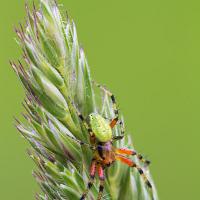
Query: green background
{"x": 147, "y": 53}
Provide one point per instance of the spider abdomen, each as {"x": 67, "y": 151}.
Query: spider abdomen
{"x": 100, "y": 127}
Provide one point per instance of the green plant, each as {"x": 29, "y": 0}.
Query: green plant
{"x": 55, "y": 73}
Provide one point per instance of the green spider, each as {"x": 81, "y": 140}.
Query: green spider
{"x": 104, "y": 152}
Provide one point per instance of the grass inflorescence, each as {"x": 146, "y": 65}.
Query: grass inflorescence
{"x": 55, "y": 72}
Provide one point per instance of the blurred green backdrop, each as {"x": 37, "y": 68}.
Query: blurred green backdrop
{"x": 147, "y": 52}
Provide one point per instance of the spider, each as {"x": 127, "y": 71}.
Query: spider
{"x": 101, "y": 143}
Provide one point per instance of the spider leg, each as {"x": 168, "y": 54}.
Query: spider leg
{"x": 116, "y": 111}
{"x": 132, "y": 153}
{"x": 91, "y": 181}
{"x": 82, "y": 119}
{"x": 122, "y": 130}
{"x": 81, "y": 142}
{"x": 130, "y": 163}
{"x": 114, "y": 104}
{"x": 113, "y": 123}
{"x": 102, "y": 181}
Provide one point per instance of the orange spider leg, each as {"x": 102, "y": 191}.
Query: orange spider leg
{"x": 113, "y": 122}
{"x": 130, "y": 163}
{"x": 126, "y": 151}
{"x": 91, "y": 181}
{"x": 132, "y": 153}
{"x": 102, "y": 181}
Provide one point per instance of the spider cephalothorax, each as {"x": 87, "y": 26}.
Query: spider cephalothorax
{"x": 104, "y": 152}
